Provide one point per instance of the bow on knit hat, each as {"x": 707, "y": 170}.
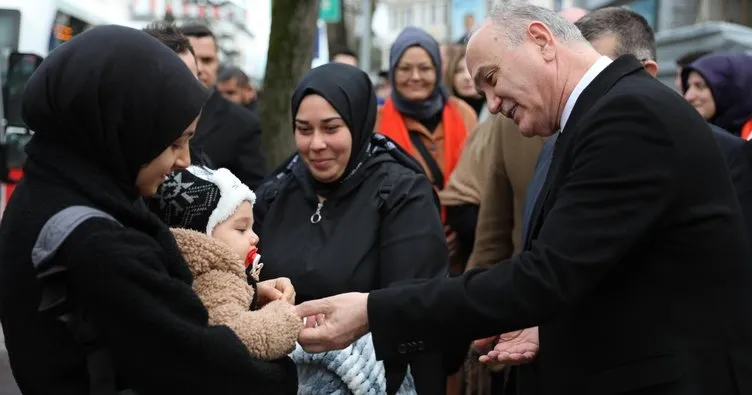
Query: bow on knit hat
{"x": 199, "y": 198}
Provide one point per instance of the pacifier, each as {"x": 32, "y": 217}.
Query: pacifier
{"x": 253, "y": 263}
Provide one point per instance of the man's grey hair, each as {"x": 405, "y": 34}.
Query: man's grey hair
{"x": 633, "y": 33}
{"x": 512, "y": 18}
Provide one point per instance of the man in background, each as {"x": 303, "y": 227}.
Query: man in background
{"x": 228, "y": 135}
{"x": 235, "y": 86}
{"x": 174, "y": 39}
{"x": 618, "y": 31}
{"x": 345, "y": 56}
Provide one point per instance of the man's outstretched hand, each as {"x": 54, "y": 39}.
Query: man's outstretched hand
{"x": 333, "y": 323}
{"x": 513, "y": 348}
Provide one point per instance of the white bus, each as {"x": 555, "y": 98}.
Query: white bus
{"x": 33, "y": 27}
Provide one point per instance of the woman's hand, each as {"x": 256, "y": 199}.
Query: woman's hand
{"x": 279, "y": 288}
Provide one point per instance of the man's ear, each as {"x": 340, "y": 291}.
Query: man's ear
{"x": 542, "y": 37}
{"x": 651, "y": 67}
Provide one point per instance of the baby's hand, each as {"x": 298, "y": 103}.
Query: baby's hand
{"x": 275, "y": 289}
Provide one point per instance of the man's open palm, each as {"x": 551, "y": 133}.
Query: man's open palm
{"x": 514, "y": 348}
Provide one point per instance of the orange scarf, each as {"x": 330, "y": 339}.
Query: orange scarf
{"x": 393, "y": 126}
{"x": 747, "y": 130}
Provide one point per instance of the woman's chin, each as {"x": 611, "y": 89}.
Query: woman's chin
{"x": 325, "y": 177}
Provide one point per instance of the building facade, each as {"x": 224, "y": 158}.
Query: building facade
{"x": 229, "y": 21}
{"x": 672, "y": 14}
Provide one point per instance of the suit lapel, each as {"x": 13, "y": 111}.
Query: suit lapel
{"x": 621, "y": 67}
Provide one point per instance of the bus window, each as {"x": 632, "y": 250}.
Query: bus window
{"x": 65, "y": 28}
{"x": 10, "y": 29}
{"x": 21, "y": 67}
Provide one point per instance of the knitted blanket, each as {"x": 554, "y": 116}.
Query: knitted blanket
{"x": 353, "y": 370}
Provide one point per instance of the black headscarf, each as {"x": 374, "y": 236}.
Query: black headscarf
{"x": 350, "y": 91}
{"x": 415, "y": 37}
{"x": 114, "y": 95}
{"x": 102, "y": 106}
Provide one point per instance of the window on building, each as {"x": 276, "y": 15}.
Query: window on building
{"x": 393, "y": 15}
{"x": 409, "y": 16}
{"x": 64, "y": 28}
{"x": 433, "y": 6}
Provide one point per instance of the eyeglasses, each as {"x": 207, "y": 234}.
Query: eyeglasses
{"x": 423, "y": 70}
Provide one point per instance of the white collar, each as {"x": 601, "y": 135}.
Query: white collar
{"x": 593, "y": 71}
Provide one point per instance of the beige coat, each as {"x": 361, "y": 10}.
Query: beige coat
{"x": 220, "y": 281}
{"x": 494, "y": 171}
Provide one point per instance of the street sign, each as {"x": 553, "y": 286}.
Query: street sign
{"x": 330, "y": 11}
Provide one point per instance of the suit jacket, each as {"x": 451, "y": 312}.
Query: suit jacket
{"x": 737, "y": 153}
{"x": 638, "y": 271}
{"x": 230, "y": 136}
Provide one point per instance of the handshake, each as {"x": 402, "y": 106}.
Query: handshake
{"x": 335, "y": 322}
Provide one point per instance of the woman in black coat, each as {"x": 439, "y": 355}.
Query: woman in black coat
{"x": 350, "y": 211}
{"x": 113, "y": 111}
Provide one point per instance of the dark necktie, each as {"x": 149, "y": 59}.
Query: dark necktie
{"x": 536, "y": 184}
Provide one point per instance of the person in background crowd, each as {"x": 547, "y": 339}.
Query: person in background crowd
{"x": 445, "y": 52}
{"x": 617, "y": 31}
{"x": 459, "y": 83}
{"x": 228, "y": 135}
{"x": 169, "y": 35}
{"x": 235, "y": 86}
{"x": 101, "y": 142}
{"x": 205, "y": 48}
{"x": 420, "y": 115}
{"x": 469, "y": 21}
{"x": 350, "y": 211}
{"x": 345, "y": 56}
{"x": 684, "y": 61}
{"x": 719, "y": 86}
{"x": 615, "y": 269}
{"x": 383, "y": 87}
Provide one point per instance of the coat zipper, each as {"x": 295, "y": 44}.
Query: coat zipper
{"x": 316, "y": 217}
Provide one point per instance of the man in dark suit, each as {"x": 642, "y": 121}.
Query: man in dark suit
{"x": 227, "y": 135}
{"x": 615, "y": 32}
{"x": 636, "y": 270}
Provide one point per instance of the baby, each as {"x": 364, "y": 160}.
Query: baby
{"x": 211, "y": 216}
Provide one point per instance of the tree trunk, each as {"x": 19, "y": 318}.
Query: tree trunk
{"x": 336, "y": 33}
{"x": 290, "y": 55}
